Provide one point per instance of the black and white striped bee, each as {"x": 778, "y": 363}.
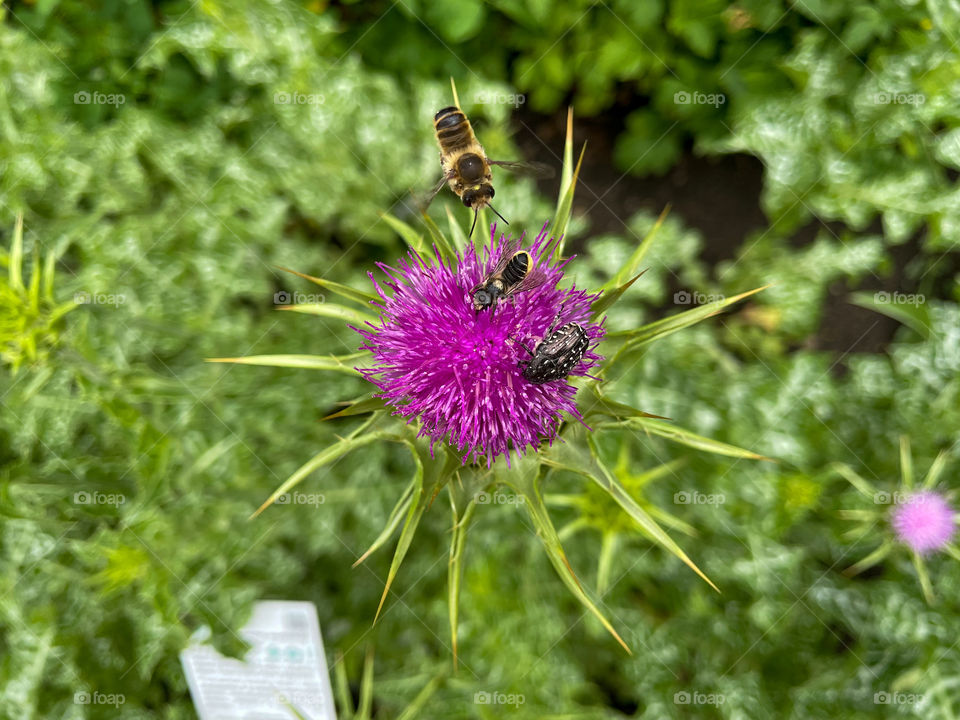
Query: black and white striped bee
{"x": 514, "y": 273}
{"x": 556, "y": 355}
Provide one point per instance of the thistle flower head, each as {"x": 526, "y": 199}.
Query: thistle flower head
{"x": 924, "y": 521}
{"x": 459, "y": 370}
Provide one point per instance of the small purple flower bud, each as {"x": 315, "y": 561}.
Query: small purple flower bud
{"x": 924, "y": 521}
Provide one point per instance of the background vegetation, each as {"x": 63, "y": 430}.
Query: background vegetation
{"x": 152, "y": 228}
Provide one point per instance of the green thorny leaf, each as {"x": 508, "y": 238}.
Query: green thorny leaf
{"x": 428, "y": 479}
{"x": 568, "y": 184}
{"x": 28, "y": 314}
{"x": 624, "y": 342}
{"x": 572, "y": 457}
{"x": 524, "y": 477}
{"x": 365, "y": 708}
{"x": 358, "y": 438}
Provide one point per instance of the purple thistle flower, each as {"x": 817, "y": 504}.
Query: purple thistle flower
{"x": 457, "y": 370}
{"x": 924, "y": 522}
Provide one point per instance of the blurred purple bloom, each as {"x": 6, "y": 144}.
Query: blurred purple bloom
{"x": 457, "y": 370}
{"x": 924, "y": 522}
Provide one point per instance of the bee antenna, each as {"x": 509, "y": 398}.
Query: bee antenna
{"x": 497, "y": 214}
{"x": 475, "y": 212}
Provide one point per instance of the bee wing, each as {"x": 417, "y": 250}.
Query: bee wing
{"x": 531, "y": 169}
{"x": 535, "y": 278}
{"x": 423, "y": 201}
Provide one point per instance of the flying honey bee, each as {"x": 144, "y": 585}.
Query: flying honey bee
{"x": 465, "y": 165}
{"x": 515, "y": 273}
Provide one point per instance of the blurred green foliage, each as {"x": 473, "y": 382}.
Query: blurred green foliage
{"x": 128, "y": 467}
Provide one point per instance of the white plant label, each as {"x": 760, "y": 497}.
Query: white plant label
{"x": 285, "y": 668}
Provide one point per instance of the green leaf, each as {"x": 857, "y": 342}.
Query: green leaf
{"x": 338, "y": 363}
{"x": 459, "y": 236}
{"x": 410, "y": 236}
{"x": 360, "y": 406}
{"x": 427, "y": 484}
{"x": 680, "y": 321}
{"x": 446, "y": 250}
{"x": 636, "y": 259}
{"x": 458, "y": 539}
{"x": 413, "y": 710}
{"x": 609, "y": 297}
{"x": 396, "y": 515}
{"x": 342, "y": 683}
{"x": 360, "y": 296}
{"x": 365, "y": 704}
{"x": 870, "y": 560}
{"x": 523, "y": 478}
{"x": 915, "y": 315}
{"x": 570, "y": 456}
{"x": 357, "y": 439}
{"x": 906, "y": 462}
{"x": 332, "y": 310}
{"x": 600, "y": 404}
{"x": 15, "y": 269}
{"x": 559, "y": 227}
{"x": 933, "y": 474}
{"x": 685, "y": 437}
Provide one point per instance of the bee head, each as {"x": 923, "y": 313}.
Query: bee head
{"x": 482, "y": 298}
{"x": 478, "y": 196}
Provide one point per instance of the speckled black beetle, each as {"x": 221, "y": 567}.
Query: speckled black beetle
{"x": 556, "y": 355}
